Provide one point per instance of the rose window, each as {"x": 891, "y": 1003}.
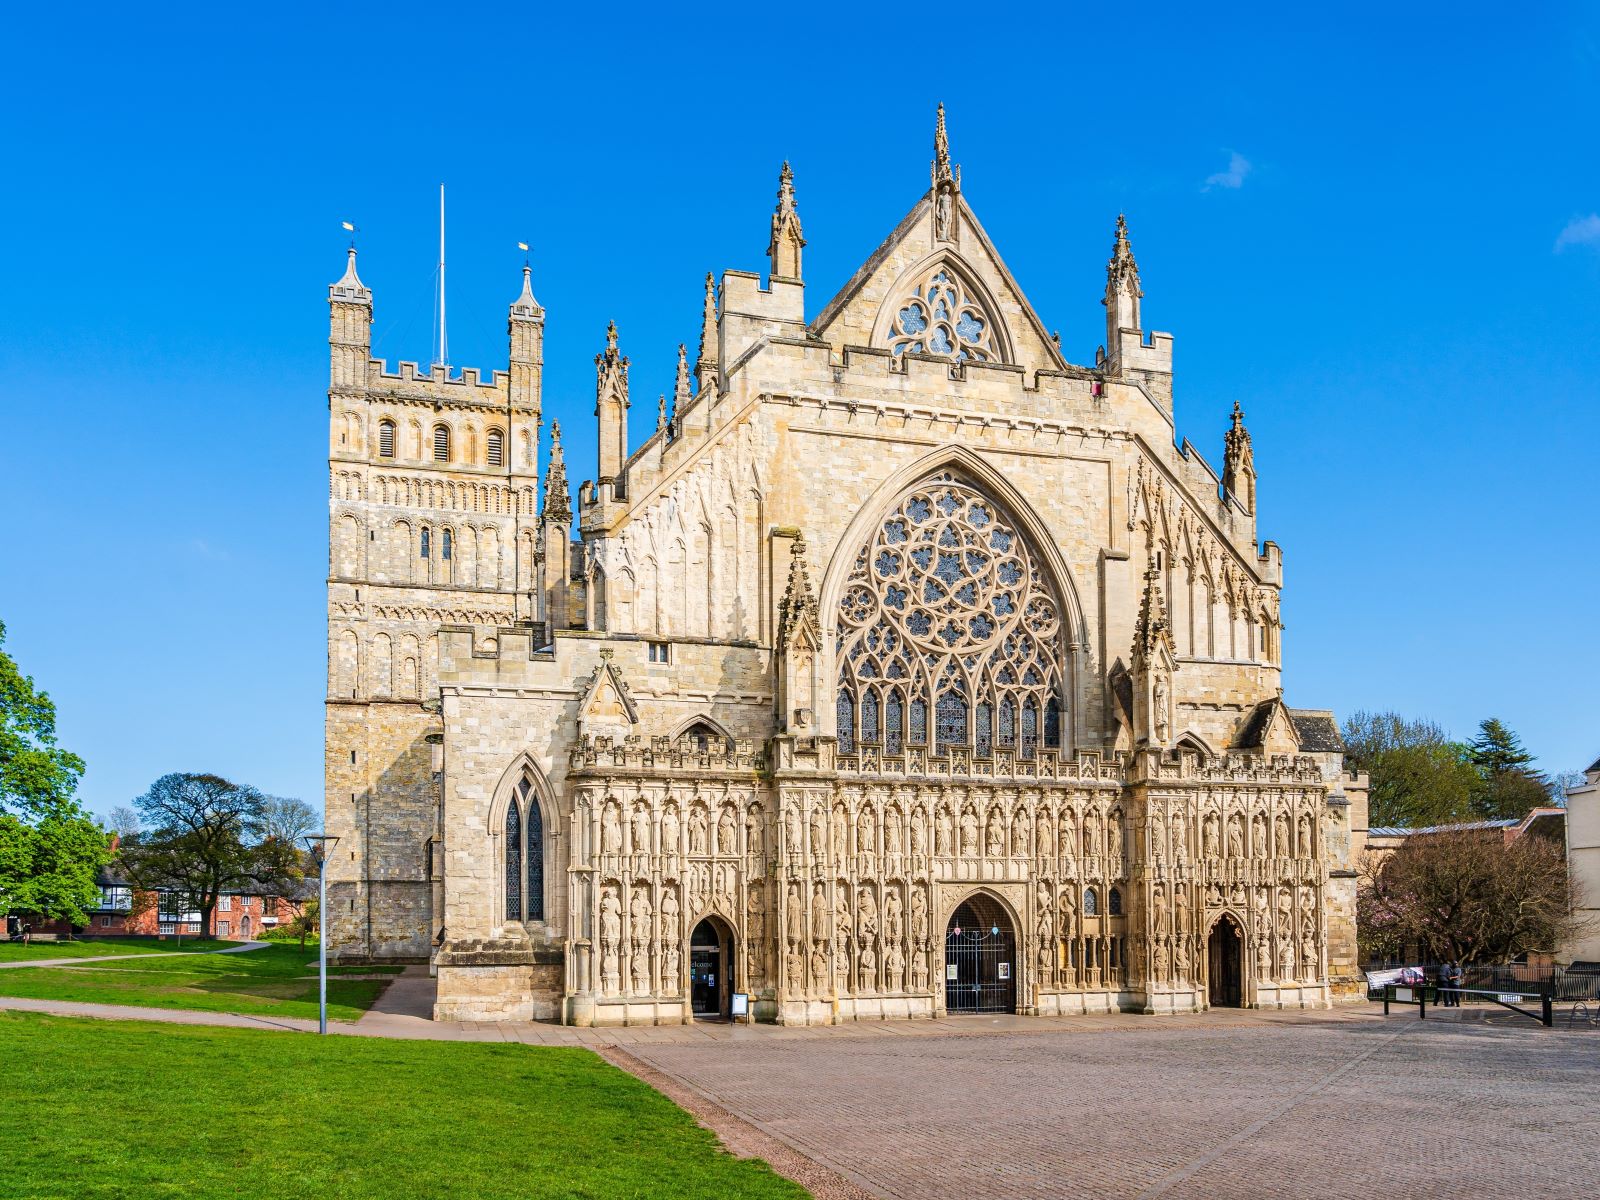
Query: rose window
{"x": 941, "y": 316}
{"x": 949, "y": 632}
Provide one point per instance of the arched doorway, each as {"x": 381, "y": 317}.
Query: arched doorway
{"x": 980, "y": 958}
{"x": 711, "y": 970}
{"x": 1225, "y": 964}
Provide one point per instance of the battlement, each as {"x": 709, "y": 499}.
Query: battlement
{"x": 635, "y": 754}
{"x": 409, "y": 373}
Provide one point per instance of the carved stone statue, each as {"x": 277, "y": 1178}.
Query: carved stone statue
{"x": 869, "y": 967}
{"x": 1263, "y": 959}
{"x": 610, "y": 830}
{"x": 639, "y": 920}
{"x": 819, "y": 965}
{"x": 819, "y": 912}
{"x": 893, "y": 915}
{"x": 995, "y": 835}
{"x": 1163, "y": 710}
{"x": 819, "y": 832}
{"x": 919, "y": 916}
{"x": 671, "y": 964}
{"x": 840, "y": 840}
{"x": 669, "y": 830}
{"x": 1180, "y": 837}
{"x": 919, "y": 832}
{"x": 894, "y": 966}
{"x": 796, "y": 915}
{"x": 1045, "y": 835}
{"x": 641, "y": 829}
{"x": 891, "y": 832}
{"x": 944, "y": 832}
{"x": 1019, "y": 836}
{"x": 1091, "y": 834}
{"x": 791, "y": 829}
{"x": 1258, "y": 836}
{"x": 1114, "y": 836}
{"x": 943, "y": 211}
{"x": 1236, "y": 836}
{"x": 1280, "y": 837}
{"x": 610, "y": 936}
{"x": 794, "y": 968}
{"x": 727, "y": 840}
{"x": 969, "y": 834}
{"x": 697, "y": 830}
{"x": 1208, "y": 836}
{"x": 867, "y": 915}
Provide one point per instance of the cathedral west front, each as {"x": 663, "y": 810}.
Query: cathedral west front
{"x": 902, "y": 668}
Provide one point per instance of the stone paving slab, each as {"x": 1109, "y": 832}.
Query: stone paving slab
{"x": 1374, "y": 1107}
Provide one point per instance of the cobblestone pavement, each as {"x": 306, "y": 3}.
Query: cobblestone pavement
{"x": 1352, "y": 1108}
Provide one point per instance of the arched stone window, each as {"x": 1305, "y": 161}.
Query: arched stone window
{"x": 524, "y": 854}
{"x": 948, "y": 607}
{"x": 385, "y": 439}
{"x": 1091, "y": 903}
{"x": 1114, "y": 903}
{"x": 441, "y": 443}
{"x": 496, "y": 448}
{"x": 940, "y": 313}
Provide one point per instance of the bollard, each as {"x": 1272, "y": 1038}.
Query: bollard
{"x": 1422, "y": 1002}
{"x": 1388, "y": 990}
{"x": 1546, "y": 1010}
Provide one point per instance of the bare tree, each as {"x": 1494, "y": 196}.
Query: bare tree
{"x": 287, "y": 818}
{"x": 1466, "y": 896}
{"x": 123, "y": 821}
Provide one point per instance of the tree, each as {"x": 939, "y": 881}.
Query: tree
{"x": 1508, "y": 787}
{"x": 200, "y": 840}
{"x": 1465, "y": 896}
{"x": 123, "y": 821}
{"x": 1418, "y": 776}
{"x": 51, "y": 850}
{"x": 287, "y": 818}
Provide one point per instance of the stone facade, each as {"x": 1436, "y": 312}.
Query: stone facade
{"x": 895, "y": 618}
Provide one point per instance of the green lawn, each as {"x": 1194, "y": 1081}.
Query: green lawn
{"x": 88, "y": 948}
{"x": 99, "y": 1109}
{"x": 277, "y": 979}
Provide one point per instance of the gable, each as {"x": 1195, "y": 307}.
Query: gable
{"x": 863, "y": 313}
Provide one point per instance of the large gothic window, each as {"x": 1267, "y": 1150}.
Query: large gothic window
{"x": 941, "y": 315}
{"x": 524, "y": 855}
{"x": 947, "y": 608}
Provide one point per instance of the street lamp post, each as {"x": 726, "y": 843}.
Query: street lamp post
{"x": 319, "y": 844}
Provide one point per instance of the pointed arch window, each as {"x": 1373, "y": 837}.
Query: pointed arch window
{"x": 893, "y": 722}
{"x": 524, "y": 861}
{"x": 940, "y": 313}
{"x": 1091, "y": 903}
{"x": 1114, "y": 903}
{"x": 947, "y": 605}
{"x": 513, "y": 863}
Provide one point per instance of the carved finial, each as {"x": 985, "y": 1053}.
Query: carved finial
{"x": 1122, "y": 269}
{"x": 350, "y": 289}
{"x": 611, "y": 336}
{"x": 784, "y": 246}
{"x": 946, "y": 183}
{"x": 706, "y": 367}
{"x": 525, "y": 306}
{"x": 682, "y": 392}
{"x": 1239, "y": 462}
{"x": 798, "y": 609}
{"x": 941, "y": 150}
{"x": 1152, "y": 629}
{"x": 661, "y": 412}
{"x": 557, "y": 501}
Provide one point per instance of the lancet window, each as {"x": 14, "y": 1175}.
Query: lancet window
{"x": 524, "y": 854}
{"x": 942, "y": 315}
{"x": 948, "y": 608}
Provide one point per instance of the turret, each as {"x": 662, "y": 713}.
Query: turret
{"x": 1122, "y": 289}
{"x": 611, "y": 408}
{"x": 1128, "y": 353}
{"x": 525, "y": 327}
{"x": 786, "y": 242}
{"x": 555, "y": 534}
{"x": 1239, "y": 463}
{"x": 349, "y": 328}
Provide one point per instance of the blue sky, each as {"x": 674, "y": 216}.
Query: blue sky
{"x": 1376, "y": 229}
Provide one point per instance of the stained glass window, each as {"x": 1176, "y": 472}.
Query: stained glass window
{"x": 948, "y": 596}
{"x": 1091, "y": 903}
{"x": 535, "y": 841}
{"x": 513, "y": 863}
{"x": 1052, "y": 724}
{"x": 1114, "y": 903}
{"x": 942, "y": 315}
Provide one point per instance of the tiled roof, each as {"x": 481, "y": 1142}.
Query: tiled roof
{"x": 1317, "y": 730}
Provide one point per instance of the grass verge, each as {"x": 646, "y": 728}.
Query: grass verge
{"x": 89, "y": 948}
{"x": 103, "y": 1109}
{"x": 273, "y": 980}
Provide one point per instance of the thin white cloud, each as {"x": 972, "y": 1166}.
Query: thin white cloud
{"x": 201, "y": 548}
{"x": 1580, "y": 231}
{"x": 1233, "y": 178}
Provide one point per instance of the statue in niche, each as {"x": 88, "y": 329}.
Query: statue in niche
{"x": 919, "y": 916}
{"x": 1308, "y": 956}
{"x": 1046, "y": 834}
{"x": 1158, "y": 908}
{"x": 1069, "y": 912}
{"x": 1180, "y": 838}
{"x": 1114, "y": 836}
{"x": 893, "y": 915}
{"x": 1280, "y": 837}
{"x": 791, "y": 829}
{"x": 794, "y": 968}
{"x": 819, "y": 911}
{"x": 1258, "y": 835}
{"x": 641, "y": 829}
{"x": 1286, "y": 960}
{"x": 669, "y": 830}
{"x": 819, "y": 965}
{"x": 919, "y": 971}
{"x": 610, "y": 936}
{"x": 1091, "y": 834}
{"x": 867, "y": 915}
{"x": 894, "y": 966}
{"x": 869, "y": 967}
{"x": 969, "y": 834}
{"x": 1208, "y": 836}
{"x": 755, "y": 841}
{"x": 1181, "y": 959}
{"x": 1263, "y": 958}
{"x": 919, "y": 832}
{"x": 1019, "y": 836}
{"x": 995, "y": 838}
{"x": 891, "y": 832}
{"x": 610, "y": 830}
{"x": 1180, "y": 907}
{"x": 1163, "y": 710}
{"x": 943, "y": 213}
{"x": 1236, "y": 836}
{"x": 819, "y": 831}
{"x": 866, "y": 833}
{"x": 1162, "y": 960}
{"x": 639, "y": 919}
{"x": 839, "y": 833}
{"x": 1067, "y": 835}
{"x": 727, "y": 841}
{"x": 670, "y": 966}
{"x": 1306, "y": 836}
{"x": 796, "y": 917}
{"x": 669, "y": 915}
{"x": 697, "y": 830}
{"x": 944, "y": 832}
{"x": 842, "y": 926}
{"x": 640, "y": 961}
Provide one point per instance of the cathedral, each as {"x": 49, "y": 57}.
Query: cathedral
{"x": 904, "y": 668}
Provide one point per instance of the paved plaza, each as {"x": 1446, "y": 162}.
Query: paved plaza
{"x": 1348, "y": 1108}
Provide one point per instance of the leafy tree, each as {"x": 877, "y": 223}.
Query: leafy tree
{"x": 1465, "y": 896}
{"x": 200, "y": 839}
{"x": 1418, "y": 776}
{"x": 50, "y": 849}
{"x": 1509, "y": 787}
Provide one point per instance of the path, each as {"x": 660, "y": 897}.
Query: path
{"x": 72, "y": 962}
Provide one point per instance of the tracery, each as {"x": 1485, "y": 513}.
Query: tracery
{"x": 947, "y": 609}
{"x": 941, "y": 315}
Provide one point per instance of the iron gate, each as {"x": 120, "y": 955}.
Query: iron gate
{"x": 980, "y": 963}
